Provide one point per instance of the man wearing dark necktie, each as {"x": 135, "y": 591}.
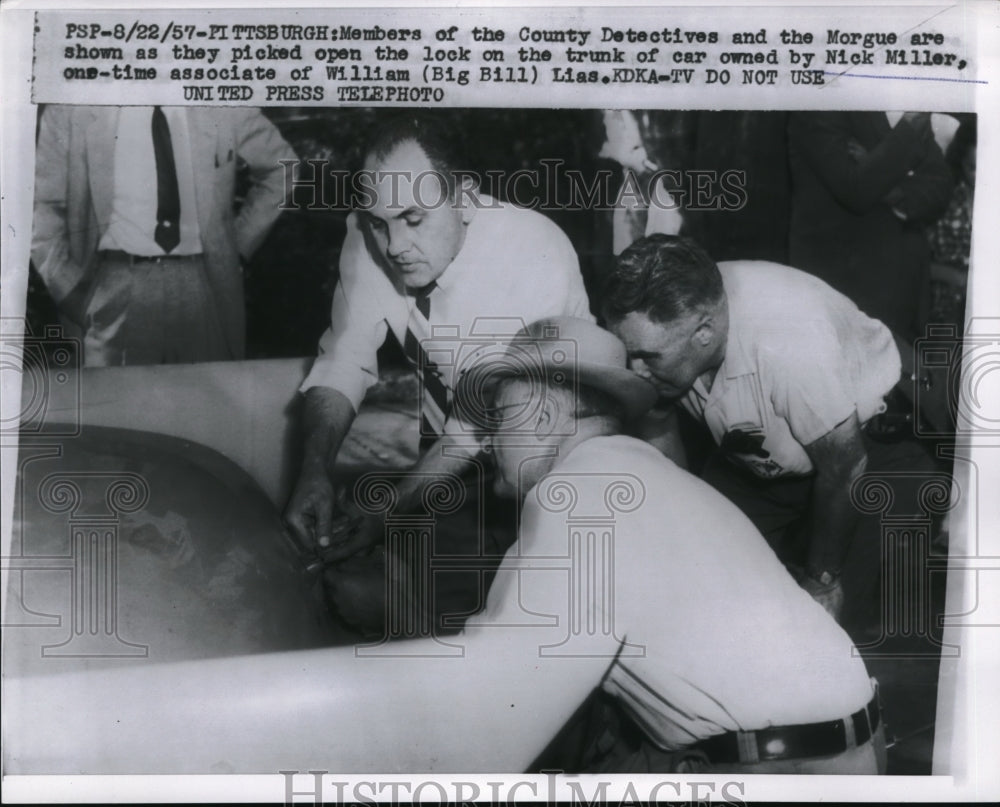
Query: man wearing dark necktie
{"x": 424, "y": 261}
{"x": 168, "y": 198}
{"x": 135, "y": 233}
{"x": 434, "y": 394}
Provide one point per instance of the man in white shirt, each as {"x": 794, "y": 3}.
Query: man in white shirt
{"x": 135, "y": 233}
{"x": 718, "y": 660}
{"x": 629, "y": 574}
{"x": 444, "y": 269}
{"x": 785, "y": 372}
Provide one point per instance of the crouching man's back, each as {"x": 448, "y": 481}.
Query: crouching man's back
{"x": 720, "y": 660}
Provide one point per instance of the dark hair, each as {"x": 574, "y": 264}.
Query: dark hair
{"x": 433, "y": 133}
{"x": 663, "y": 277}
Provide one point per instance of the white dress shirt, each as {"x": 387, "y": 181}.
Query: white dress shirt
{"x": 515, "y": 266}
{"x": 133, "y": 208}
{"x": 646, "y": 565}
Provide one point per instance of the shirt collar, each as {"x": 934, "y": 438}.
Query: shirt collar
{"x": 734, "y": 364}
{"x": 736, "y": 361}
{"x": 454, "y": 270}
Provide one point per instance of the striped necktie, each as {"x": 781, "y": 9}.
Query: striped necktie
{"x": 433, "y": 392}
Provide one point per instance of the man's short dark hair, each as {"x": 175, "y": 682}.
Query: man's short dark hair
{"x": 664, "y": 277}
{"x": 433, "y": 133}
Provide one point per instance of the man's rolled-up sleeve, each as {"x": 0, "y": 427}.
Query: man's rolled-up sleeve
{"x": 347, "y": 359}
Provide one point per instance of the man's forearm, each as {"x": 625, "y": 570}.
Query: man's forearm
{"x": 436, "y": 463}
{"x": 832, "y": 520}
{"x": 328, "y": 418}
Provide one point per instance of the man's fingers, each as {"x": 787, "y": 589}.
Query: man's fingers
{"x": 344, "y": 545}
{"x": 356, "y": 536}
{"x": 295, "y": 521}
{"x": 323, "y": 519}
{"x": 338, "y": 551}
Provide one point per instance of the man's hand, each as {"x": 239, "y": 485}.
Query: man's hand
{"x": 829, "y": 594}
{"x": 325, "y": 521}
{"x": 351, "y": 531}
{"x": 309, "y": 514}
{"x": 328, "y": 415}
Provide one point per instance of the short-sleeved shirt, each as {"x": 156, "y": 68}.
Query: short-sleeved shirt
{"x": 515, "y": 266}
{"x": 625, "y": 555}
{"x": 800, "y": 359}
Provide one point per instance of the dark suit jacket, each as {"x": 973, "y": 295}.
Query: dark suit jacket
{"x": 74, "y": 188}
{"x": 843, "y": 228}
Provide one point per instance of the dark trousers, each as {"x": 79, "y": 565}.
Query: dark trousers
{"x": 602, "y": 738}
{"x": 778, "y": 508}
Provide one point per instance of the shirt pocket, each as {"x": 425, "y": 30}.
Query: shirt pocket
{"x": 739, "y": 418}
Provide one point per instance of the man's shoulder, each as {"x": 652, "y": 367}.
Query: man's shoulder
{"x": 597, "y": 477}
{"x": 749, "y": 275}
{"x": 773, "y": 297}
{"x": 626, "y": 477}
{"x": 616, "y": 456}
{"x": 521, "y": 228}
{"x": 779, "y": 316}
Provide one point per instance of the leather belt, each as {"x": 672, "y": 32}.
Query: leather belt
{"x": 126, "y": 257}
{"x": 794, "y": 742}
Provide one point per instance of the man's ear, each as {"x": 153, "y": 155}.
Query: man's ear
{"x": 704, "y": 334}
{"x": 465, "y": 194}
{"x": 548, "y": 417}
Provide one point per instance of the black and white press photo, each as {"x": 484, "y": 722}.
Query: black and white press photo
{"x": 555, "y": 404}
